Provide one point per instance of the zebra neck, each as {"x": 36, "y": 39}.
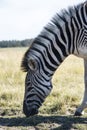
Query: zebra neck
{"x": 59, "y": 38}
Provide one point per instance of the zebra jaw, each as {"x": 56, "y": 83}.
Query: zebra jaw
{"x": 32, "y": 64}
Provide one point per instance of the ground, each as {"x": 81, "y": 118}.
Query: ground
{"x": 43, "y": 122}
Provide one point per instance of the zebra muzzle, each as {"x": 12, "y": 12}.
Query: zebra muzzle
{"x": 29, "y": 112}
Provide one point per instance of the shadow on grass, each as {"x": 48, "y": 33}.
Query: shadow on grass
{"x": 64, "y": 122}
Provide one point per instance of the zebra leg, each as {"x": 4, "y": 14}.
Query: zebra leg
{"x": 80, "y": 109}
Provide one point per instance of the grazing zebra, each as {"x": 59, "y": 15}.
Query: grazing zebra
{"x": 65, "y": 34}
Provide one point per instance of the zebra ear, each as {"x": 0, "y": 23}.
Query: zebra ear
{"x": 32, "y": 64}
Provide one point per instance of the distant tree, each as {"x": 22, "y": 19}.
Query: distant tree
{"x": 16, "y": 43}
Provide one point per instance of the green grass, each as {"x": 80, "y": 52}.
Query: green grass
{"x": 56, "y": 112}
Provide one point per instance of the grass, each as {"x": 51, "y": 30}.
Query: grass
{"x": 56, "y": 112}
{"x": 11, "y": 78}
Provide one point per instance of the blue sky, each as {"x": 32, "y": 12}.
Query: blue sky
{"x": 24, "y": 19}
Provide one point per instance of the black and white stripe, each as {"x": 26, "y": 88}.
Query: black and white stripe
{"x": 65, "y": 34}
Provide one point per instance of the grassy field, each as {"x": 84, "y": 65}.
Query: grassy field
{"x": 58, "y": 109}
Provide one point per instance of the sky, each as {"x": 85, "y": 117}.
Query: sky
{"x": 24, "y": 19}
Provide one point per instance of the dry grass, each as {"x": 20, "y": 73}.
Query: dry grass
{"x": 11, "y": 78}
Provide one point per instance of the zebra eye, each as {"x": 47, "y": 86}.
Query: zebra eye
{"x": 32, "y": 64}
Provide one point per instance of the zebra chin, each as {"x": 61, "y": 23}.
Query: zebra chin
{"x": 29, "y": 112}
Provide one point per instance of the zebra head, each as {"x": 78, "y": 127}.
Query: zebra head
{"x": 37, "y": 87}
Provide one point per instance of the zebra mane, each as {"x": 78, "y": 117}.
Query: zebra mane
{"x": 24, "y": 63}
{"x": 65, "y": 16}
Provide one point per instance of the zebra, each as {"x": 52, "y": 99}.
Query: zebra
{"x": 65, "y": 34}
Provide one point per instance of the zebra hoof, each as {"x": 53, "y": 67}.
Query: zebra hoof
{"x": 78, "y": 114}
